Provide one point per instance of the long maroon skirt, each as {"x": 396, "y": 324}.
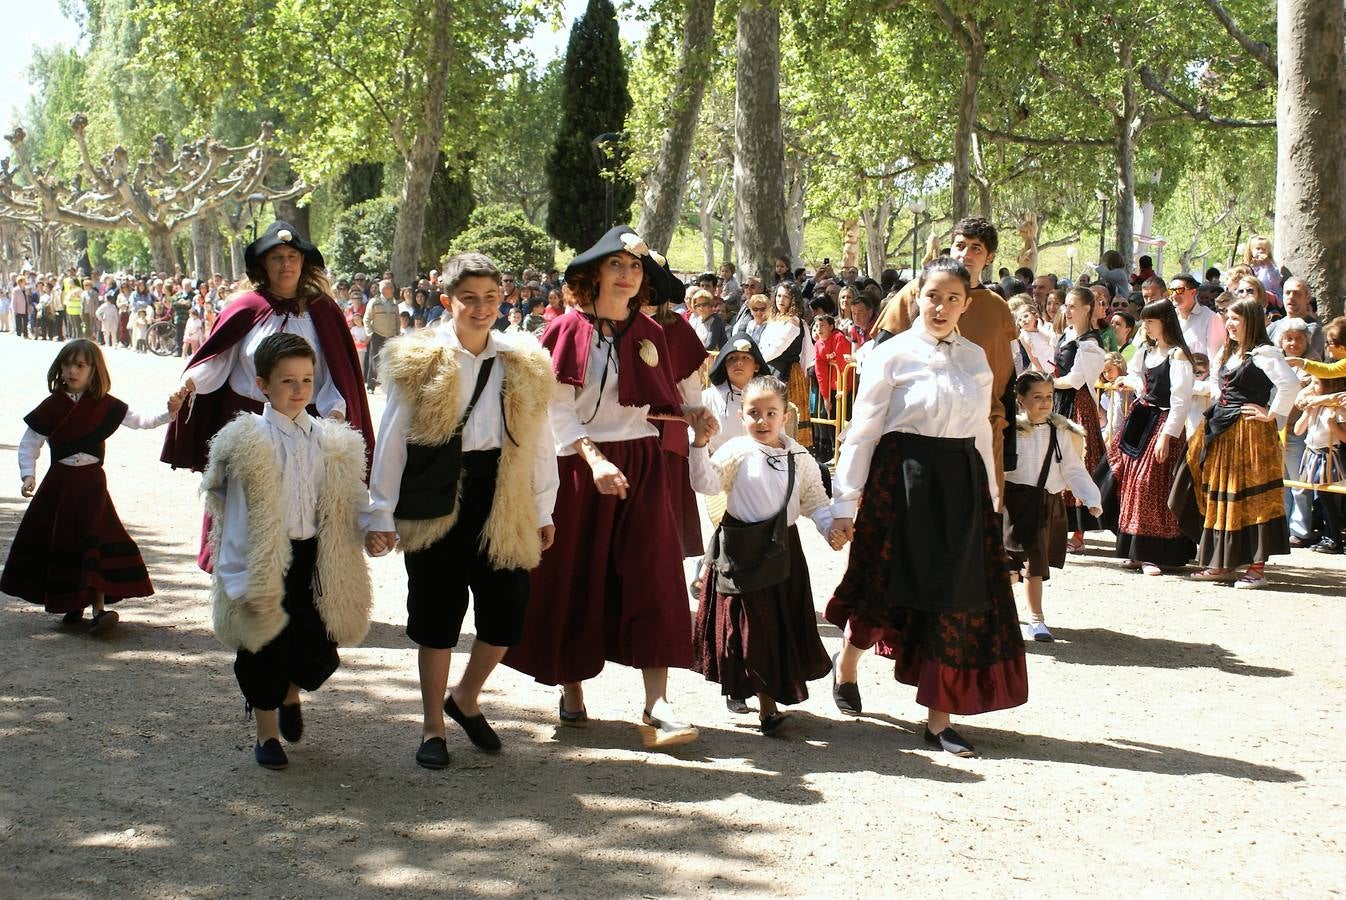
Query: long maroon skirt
{"x": 71, "y": 545}
{"x": 1085, "y": 414}
{"x": 765, "y": 642}
{"x": 683, "y": 499}
{"x": 962, "y": 662}
{"x": 1147, "y": 530}
{"x": 610, "y": 588}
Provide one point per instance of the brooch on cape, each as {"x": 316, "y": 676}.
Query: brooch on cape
{"x": 648, "y": 354}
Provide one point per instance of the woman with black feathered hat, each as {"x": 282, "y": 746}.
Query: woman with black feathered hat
{"x": 610, "y": 588}
{"x": 290, "y": 293}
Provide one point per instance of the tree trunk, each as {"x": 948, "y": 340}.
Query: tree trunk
{"x": 200, "y": 248}
{"x": 727, "y": 229}
{"x": 967, "y": 34}
{"x": 667, "y": 181}
{"x": 850, "y": 242}
{"x": 759, "y": 146}
{"x": 420, "y": 165}
{"x": 162, "y": 256}
{"x": 795, "y": 186}
{"x": 1311, "y": 148}
{"x": 875, "y": 222}
{"x": 1124, "y": 148}
{"x": 290, "y": 211}
{"x": 236, "y": 257}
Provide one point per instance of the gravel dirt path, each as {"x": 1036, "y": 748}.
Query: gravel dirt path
{"x": 1180, "y": 739}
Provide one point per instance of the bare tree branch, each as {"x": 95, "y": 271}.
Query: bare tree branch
{"x": 1199, "y": 113}
{"x": 1042, "y": 141}
{"x": 1258, "y": 50}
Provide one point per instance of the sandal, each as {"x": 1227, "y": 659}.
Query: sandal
{"x": 573, "y": 719}
{"x": 1251, "y": 579}
{"x": 658, "y": 733}
{"x": 773, "y": 723}
{"x": 1074, "y": 544}
{"x": 1225, "y": 575}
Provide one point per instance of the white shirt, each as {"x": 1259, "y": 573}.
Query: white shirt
{"x": 1069, "y": 472}
{"x": 777, "y": 337}
{"x": 1090, "y": 358}
{"x": 915, "y": 385}
{"x": 302, "y": 477}
{"x": 758, "y": 489}
{"x": 484, "y": 430}
{"x": 1040, "y": 346}
{"x": 1203, "y": 331}
{"x": 726, "y": 401}
{"x": 236, "y": 366}
{"x": 1284, "y": 380}
{"x": 30, "y": 445}
{"x": 1318, "y": 435}
{"x": 573, "y": 413}
{"x": 1181, "y": 381}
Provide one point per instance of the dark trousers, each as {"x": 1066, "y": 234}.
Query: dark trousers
{"x": 376, "y": 343}
{"x": 301, "y": 654}
{"x": 21, "y": 324}
{"x": 439, "y": 576}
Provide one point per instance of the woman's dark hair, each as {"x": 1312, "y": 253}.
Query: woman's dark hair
{"x": 1113, "y": 260}
{"x": 946, "y": 265}
{"x": 100, "y": 382}
{"x": 1129, "y": 319}
{"x": 1254, "y": 331}
{"x": 581, "y": 286}
{"x": 1025, "y": 382}
{"x": 796, "y": 299}
{"x": 1165, "y": 312}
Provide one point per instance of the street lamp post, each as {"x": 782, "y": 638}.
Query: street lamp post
{"x": 1070, "y": 255}
{"x": 256, "y": 203}
{"x": 917, "y": 207}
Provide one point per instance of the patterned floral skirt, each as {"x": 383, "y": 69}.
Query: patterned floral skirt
{"x": 961, "y": 662}
{"x": 1147, "y": 530}
{"x": 1236, "y": 495}
{"x": 1085, "y": 414}
{"x": 797, "y": 387}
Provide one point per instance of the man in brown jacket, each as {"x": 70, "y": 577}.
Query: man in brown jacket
{"x": 987, "y": 323}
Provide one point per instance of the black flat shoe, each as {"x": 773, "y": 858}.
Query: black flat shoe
{"x": 103, "y": 621}
{"x": 291, "y": 716}
{"x": 1327, "y": 545}
{"x": 73, "y": 618}
{"x": 573, "y": 719}
{"x": 433, "y": 754}
{"x": 735, "y": 705}
{"x": 270, "y": 755}
{"x": 950, "y": 741}
{"x": 479, "y": 731}
{"x": 847, "y": 695}
{"x": 773, "y": 723}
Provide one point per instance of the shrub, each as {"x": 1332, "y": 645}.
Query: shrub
{"x": 505, "y": 235}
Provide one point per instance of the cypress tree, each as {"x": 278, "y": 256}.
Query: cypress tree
{"x": 594, "y": 101}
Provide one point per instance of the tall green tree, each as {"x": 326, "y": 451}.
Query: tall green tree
{"x": 594, "y": 102}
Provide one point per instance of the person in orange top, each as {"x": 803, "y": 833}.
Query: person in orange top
{"x": 986, "y": 323}
{"x": 831, "y": 351}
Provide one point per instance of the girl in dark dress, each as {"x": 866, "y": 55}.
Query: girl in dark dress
{"x": 1080, "y": 357}
{"x": 928, "y": 578}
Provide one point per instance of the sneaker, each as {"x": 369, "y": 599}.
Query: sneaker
{"x": 1327, "y": 545}
{"x": 1251, "y": 581}
{"x": 1038, "y": 631}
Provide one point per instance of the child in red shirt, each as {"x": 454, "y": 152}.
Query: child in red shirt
{"x": 831, "y": 352}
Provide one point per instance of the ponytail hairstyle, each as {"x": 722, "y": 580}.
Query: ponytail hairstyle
{"x": 945, "y": 265}
{"x": 1025, "y": 382}
{"x": 1167, "y": 313}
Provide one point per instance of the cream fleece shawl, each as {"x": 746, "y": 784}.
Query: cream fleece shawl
{"x": 343, "y": 596}
{"x": 426, "y": 373}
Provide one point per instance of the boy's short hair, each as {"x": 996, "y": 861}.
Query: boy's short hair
{"x": 981, "y": 229}
{"x": 276, "y": 347}
{"x": 1154, "y": 281}
{"x": 462, "y": 266}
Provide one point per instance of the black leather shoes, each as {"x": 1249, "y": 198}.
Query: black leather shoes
{"x": 735, "y": 705}
{"x": 433, "y": 754}
{"x": 950, "y": 741}
{"x": 847, "y": 695}
{"x": 102, "y": 622}
{"x": 479, "y": 731}
{"x": 271, "y": 755}
{"x": 291, "y": 717}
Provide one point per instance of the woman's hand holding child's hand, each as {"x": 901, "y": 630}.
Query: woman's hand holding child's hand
{"x": 29, "y": 486}
{"x": 841, "y": 533}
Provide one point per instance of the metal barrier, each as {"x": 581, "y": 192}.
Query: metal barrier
{"x": 844, "y": 378}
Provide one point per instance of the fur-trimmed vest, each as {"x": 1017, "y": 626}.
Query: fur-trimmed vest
{"x": 1061, "y": 424}
{"x": 243, "y": 450}
{"x": 426, "y": 372}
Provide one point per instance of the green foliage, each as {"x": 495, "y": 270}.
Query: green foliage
{"x": 362, "y": 237}
{"x": 503, "y": 234}
{"x": 360, "y": 182}
{"x": 594, "y": 101}
{"x": 121, "y": 250}
{"x": 58, "y": 74}
{"x": 517, "y": 132}
{"x": 447, "y": 212}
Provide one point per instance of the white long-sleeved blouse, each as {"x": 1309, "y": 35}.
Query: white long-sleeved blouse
{"x": 1069, "y": 472}
{"x": 915, "y": 384}
{"x": 1181, "y": 382}
{"x": 754, "y": 475}
{"x": 30, "y": 445}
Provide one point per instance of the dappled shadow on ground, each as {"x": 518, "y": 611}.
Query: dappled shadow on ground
{"x": 1102, "y": 647}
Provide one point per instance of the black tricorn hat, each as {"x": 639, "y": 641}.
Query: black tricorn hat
{"x": 279, "y": 233}
{"x": 738, "y": 343}
{"x": 667, "y": 287}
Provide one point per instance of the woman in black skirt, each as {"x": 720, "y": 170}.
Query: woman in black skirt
{"x": 927, "y": 580}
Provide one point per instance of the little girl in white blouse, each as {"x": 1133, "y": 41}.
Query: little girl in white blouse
{"x": 756, "y": 633}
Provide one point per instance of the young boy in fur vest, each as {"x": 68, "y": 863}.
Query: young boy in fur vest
{"x": 463, "y": 483}
{"x": 287, "y": 498}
